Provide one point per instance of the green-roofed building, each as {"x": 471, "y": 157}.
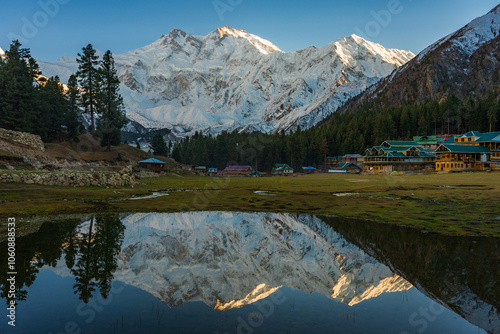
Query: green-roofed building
{"x": 397, "y": 155}
{"x": 490, "y": 140}
{"x": 460, "y": 157}
{"x": 282, "y": 169}
{"x": 428, "y": 142}
{"x": 399, "y": 143}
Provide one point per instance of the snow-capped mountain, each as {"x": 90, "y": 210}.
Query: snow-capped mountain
{"x": 231, "y": 79}
{"x": 464, "y": 62}
{"x": 229, "y": 260}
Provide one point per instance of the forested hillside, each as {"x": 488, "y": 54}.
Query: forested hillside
{"x": 345, "y": 133}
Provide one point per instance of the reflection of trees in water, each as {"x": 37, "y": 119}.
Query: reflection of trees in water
{"x": 454, "y": 270}
{"x": 90, "y": 256}
{"x": 96, "y": 256}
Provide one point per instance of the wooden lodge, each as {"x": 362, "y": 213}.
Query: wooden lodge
{"x": 238, "y": 171}
{"x": 152, "y": 164}
{"x": 350, "y": 167}
{"x": 428, "y": 142}
{"x": 333, "y": 161}
{"x": 282, "y": 169}
{"x": 456, "y": 157}
{"x": 489, "y": 140}
{"x": 398, "y": 156}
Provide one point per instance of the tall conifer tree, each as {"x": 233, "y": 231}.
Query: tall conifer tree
{"x": 18, "y": 100}
{"x": 110, "y": 103}
{"x": 88, "y": 79}
{"x": 73, "y": 112}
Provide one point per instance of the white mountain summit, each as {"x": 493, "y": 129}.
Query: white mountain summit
{"x": 233, "y": 80}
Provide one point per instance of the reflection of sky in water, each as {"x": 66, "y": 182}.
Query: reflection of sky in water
{"x": 52, "y": 305}
{"x": 271, "y": 273}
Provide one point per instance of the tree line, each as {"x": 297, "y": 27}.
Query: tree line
{"x": 30, "y": 102}
{"x": 344, "y": 133}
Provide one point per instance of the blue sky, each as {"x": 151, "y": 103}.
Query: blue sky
{"x": 56, "y": 28}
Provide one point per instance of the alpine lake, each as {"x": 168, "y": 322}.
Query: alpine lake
{"x": 244, "y": 272}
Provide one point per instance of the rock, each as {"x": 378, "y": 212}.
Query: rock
{"x": 23, "y": 138}
{"x": 72, "y": 179}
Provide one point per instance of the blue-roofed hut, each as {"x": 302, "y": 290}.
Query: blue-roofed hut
{"x": 152, "y": 164}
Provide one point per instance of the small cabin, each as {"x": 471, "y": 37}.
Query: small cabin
{"x": 152, "y": 164}
{"x": 309, "y": 170}
{"x": 238, "y": 171}
{"x": 282, "y": 169}
{"x": 350, "y": 167}
{"x": 200, "y": 169}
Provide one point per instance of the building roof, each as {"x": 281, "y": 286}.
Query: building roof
{"x": 450, "y": 140}
{"x": 400, "y": 143}
{"x": 151, "y": 161}
{"x": 389, "y": 155}
{"x": 281, "y": 165}
{"x": 426, "y": 155}
{"x": 459, "y": 148}
{"x": 353, "y": 156}
{"x": 425, "y": 138}
{"x": 396, "y": 148}
{"x": 308, "y": 168}
{"x": 472, "y": 134}
{"x": 239, "y": 168}
{"x": 344, "y": 165}
{"x": 489, "y": 137}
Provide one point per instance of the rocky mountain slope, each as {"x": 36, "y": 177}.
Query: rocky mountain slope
{"x": 233, "y": 80}
{"x": 464, "y": 62}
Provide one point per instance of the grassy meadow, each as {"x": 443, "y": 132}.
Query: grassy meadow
{"x": 455, "y": 203}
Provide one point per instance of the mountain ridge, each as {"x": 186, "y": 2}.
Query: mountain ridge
{"x": 466, "y": 60}
{"x": 232, "y": 80}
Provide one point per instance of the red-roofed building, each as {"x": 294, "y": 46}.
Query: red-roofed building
{"x": 238, "y": 171}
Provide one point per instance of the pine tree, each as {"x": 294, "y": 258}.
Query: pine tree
{"x": 158, "y": 145}
{"x": 18, "y": 97}
{"x": 72, "y": 119}
{"x": 52, "y": 110}
{"x": 109, "y": 103}
{"x": 88, "y": 79}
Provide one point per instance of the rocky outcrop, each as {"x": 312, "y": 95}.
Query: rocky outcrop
{"x": 124, "y": 177}
{"x": 23, "y": 138}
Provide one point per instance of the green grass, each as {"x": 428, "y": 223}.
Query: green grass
{"x": 459, "y": 204}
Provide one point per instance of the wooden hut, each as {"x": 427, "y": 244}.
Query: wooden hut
{"x": 282, "y": 169}
{"x": 152, "y": 164}
{"x": 238, "y": 171}
{"x": 309, "y": 170}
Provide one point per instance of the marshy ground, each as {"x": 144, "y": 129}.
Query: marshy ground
{"x": 455, "y": 203}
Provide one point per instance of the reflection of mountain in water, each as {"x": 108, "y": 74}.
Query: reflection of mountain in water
{"x": 229, "y": 260}
{"x": 461, "y": 273}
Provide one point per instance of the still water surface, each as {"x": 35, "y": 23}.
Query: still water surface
{"x": 228, "y": 272}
